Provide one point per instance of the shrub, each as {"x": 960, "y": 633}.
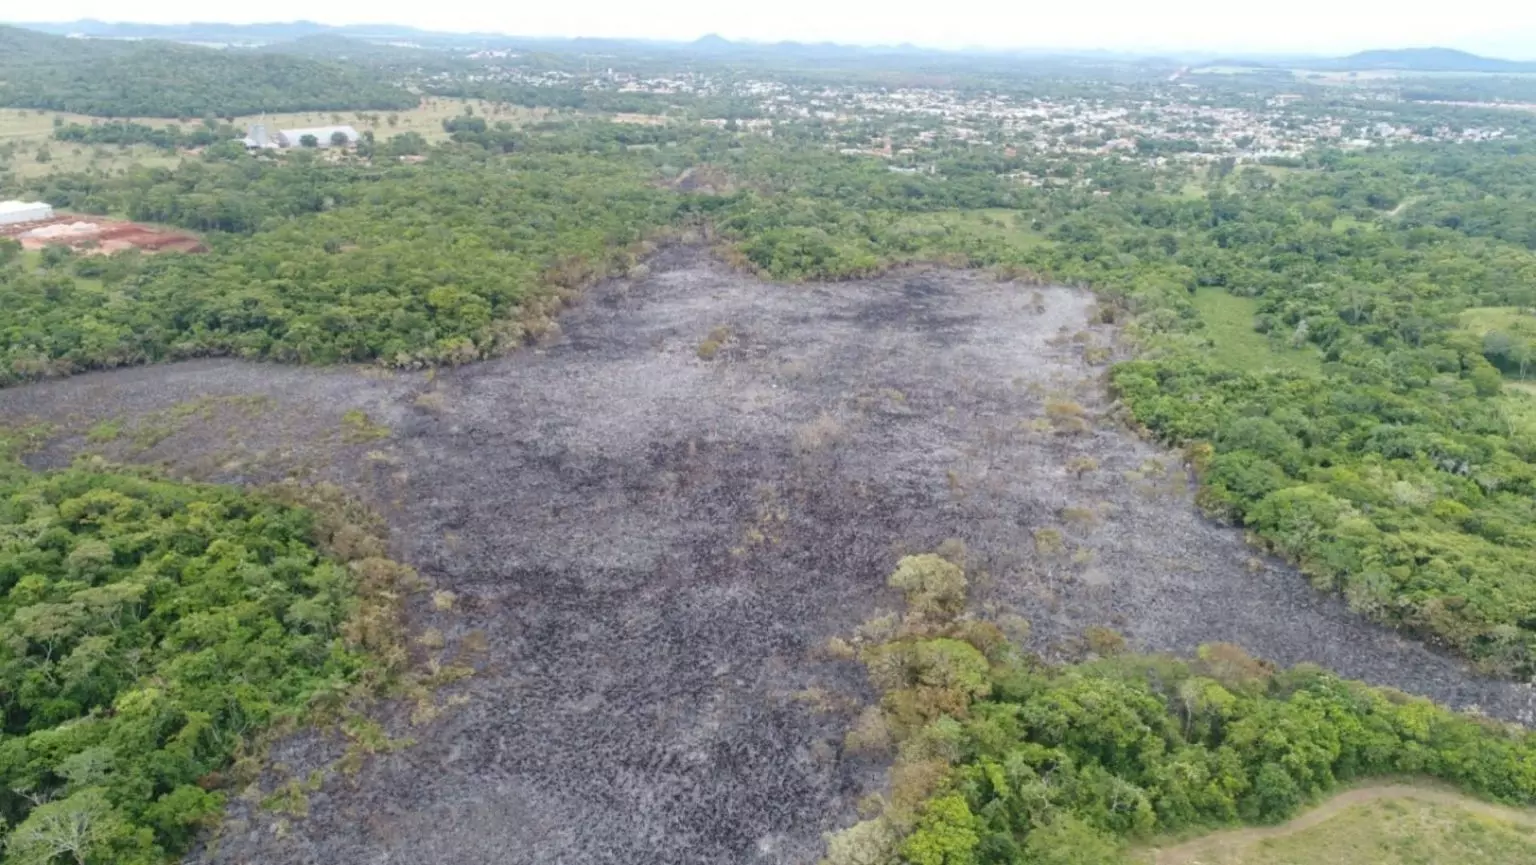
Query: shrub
{"x": 711, "y": 345}
{"x": 1066, "y": 417}
{"x": 358, "y": 428}
{"x": 934, "y": 587}
{"x": 870, "y": 734}
{"x": 818, "y": 435}
{"x": 1049, "y": 541}
{"x": 1104, "y": 642}
{"x": 1080, "y": 466}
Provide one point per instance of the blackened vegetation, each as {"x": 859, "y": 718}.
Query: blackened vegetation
{"x": 651, "y": 546}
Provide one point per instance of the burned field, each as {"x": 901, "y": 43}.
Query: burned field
{"x": 641, "y": 534}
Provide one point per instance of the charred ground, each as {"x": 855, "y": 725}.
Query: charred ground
{"x": 649, "y": 526}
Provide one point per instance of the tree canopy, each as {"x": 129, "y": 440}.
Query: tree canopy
{"x": 153, "y": 632}
{"x": 163, "y": 79}
{"x": 1002, "y": 760}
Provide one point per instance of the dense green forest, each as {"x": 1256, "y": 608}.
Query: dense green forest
{"x": 153, "y": 634}
{"x": 1003, "y": 760}
{"x": 161, "y": 79}
{"x": 414, "y": 264}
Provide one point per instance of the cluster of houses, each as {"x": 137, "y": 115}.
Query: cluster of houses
{"x": 1160, "y": 123}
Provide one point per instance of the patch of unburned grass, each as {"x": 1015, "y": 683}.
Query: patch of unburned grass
{"x": 425, "y": 120}
{"x": 1343, "y": 224}
{"x": 1480, "y": 320}
{"x": 990, "y": 224}
{"x": 358, "y": 428}
{"x": 1229, "y": 325}
{"x": 30, "y": 130}
{"x": 1400, "y": 832}
{"x": 106, "y": 431}
{"x": 1431, "y": 827}
{"x": 1517, "y": 406}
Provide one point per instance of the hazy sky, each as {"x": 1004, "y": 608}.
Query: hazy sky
{"x": 1506, "y": 27}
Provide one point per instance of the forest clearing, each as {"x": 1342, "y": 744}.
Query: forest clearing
{"x": 648, "y": 525}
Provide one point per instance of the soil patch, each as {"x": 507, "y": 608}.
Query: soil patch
{"x": 96, "y": 235}
{"x": 650, "y": 537}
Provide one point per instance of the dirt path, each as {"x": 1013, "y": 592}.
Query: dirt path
{"x": 1197, "y": 851}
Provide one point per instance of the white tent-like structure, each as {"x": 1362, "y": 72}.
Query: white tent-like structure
{"x": 13, "y": 212}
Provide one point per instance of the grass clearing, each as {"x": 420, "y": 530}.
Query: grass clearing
{"x": 426, "y": 119}
{"x": 991, "y": 224}
{"x": 1279, "y": 172}
{"x": 1517, "y": 404}
{"x": 1343, "y": 224}
{"x": 1192, "y": 191}
{"x": 1385, "y": 825}
{"x": 1229, "y": 325}
{"x": 1519, "y": 326}
{"x": 27, "y": 131}
{"x": 1480, "y": 320}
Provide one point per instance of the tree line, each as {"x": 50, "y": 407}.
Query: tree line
{"x": 1003, "y": 760}
{"x": 161, "y": 79}
{"x": 125, "y": 133}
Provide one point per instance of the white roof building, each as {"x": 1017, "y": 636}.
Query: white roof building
{"x": 13, "y": 212}
{"x": 257, "y": 138}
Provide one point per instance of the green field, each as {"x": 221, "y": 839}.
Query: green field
{"x": 1009, "y": 226}
{"x": 1341, "y": 224}
{"x": 1481, "y": 319}
{"x": 1418, "y": 827}
{"x": 1517, "y": 405}
{"x": 1229, "y": 326}
{"x": 425, "y": 120}
{"x": 28, "y": 131}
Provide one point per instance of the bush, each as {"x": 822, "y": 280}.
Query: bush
{"x": 934, "y": 587}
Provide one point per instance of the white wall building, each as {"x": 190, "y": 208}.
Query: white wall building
{"x": 12, "y": 212}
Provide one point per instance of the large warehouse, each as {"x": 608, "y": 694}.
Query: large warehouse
{"x": 12, "y": 212}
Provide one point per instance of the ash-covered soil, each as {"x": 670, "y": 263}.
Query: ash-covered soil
{"x": 652, "y": 546}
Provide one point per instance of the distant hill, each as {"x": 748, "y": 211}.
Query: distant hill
{"x": 1430, "y": 60}
{"x": 311, "y": 39}
{"x": 232, "y": 34}
{"x": 712, "y": 42}
{"x": 334, "y": 46}
{"x": 112, "y": 78}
